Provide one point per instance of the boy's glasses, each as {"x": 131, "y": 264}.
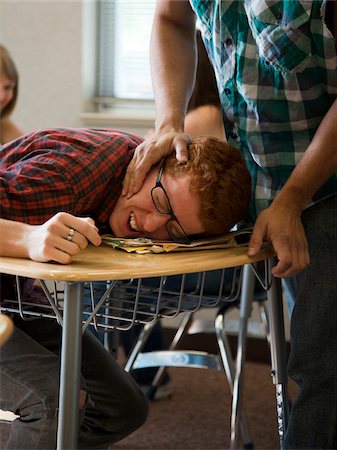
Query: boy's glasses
{"x": 162, "y": 203}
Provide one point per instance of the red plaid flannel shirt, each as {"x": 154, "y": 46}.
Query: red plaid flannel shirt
{"x": 79, "y": 171}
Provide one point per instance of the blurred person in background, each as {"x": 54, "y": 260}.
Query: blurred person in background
{"x": 9, "y": 85}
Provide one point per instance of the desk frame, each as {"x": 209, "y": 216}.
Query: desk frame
{"x": 277, "y": 349}
{"x": 106, "y": 264}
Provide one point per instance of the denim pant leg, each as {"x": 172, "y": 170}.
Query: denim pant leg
{"x": 29, "y": 388}
{"x": 116, "y": 406}
{"x": 312, "y": 363}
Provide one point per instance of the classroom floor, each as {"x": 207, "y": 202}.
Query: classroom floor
{"x": 198, "y": 414}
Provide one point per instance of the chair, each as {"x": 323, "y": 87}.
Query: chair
{"x": 223, "y": 361}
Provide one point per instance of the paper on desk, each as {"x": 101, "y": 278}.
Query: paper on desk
{"x": 145, "y": 245}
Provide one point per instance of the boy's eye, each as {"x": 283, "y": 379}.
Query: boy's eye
{"x": 160, "y": 200}
{"x": 161, "y": 205}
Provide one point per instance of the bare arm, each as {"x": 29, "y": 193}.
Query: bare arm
{"x": 47, "y": 242}
{"x": 281, "y": 222}
{"x": 9, "y": 131}
{"x": 173, "y": 62}
{"x": 173, "y": 65}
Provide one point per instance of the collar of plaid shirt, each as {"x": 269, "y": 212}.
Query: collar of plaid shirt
{"x": 276, "y": 69}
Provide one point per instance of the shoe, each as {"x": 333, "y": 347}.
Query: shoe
{"x": 162, "y": 392}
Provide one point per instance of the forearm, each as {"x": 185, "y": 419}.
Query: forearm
{"x": 49, "y": 241}
{"x": 318, "y": 163}
{"x": 173, "y": 62}
{"x": 13, "y": 238}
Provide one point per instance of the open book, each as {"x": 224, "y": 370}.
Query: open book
{"x": 145, "y": 245}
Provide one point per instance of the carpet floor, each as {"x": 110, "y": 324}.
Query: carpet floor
{"x": 197, "y": 416}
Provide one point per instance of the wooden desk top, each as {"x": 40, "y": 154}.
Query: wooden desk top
{"x": 104, "y": 263}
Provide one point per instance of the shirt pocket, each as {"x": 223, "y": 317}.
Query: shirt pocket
{"x": 282, "y": 33}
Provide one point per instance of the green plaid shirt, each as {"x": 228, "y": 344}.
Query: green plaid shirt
{"x": 276, "y": 69}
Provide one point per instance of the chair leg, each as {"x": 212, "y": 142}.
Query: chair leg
{"x": 142, "y": 338}
{"x": 144, "y": 335}
{"x": 182, "y": 330}
{"x": 229, "y": 368}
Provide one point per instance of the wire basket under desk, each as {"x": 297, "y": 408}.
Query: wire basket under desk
{"x": 119, "y": 305}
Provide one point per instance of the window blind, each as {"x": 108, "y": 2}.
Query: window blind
{"x": 123, "y": 49}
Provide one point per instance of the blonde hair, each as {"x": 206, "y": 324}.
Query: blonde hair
{"x": 8, "y": 68}
{"x": 220, "y": 178}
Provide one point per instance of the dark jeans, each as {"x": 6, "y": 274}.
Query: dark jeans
{"x": 312, "y": 363}
{"x": 29, "y": 374}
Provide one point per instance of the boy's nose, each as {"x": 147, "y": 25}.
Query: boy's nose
{"x": 155, "y": 222}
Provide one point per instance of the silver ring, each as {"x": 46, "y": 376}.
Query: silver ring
{"x": 71, "y": 233}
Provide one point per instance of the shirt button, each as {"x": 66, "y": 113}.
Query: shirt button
{"x": 228, "y": 42}
{"x": 227, "y": 91}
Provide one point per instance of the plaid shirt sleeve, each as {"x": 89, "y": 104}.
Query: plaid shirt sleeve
{"x": 79, "y": 171}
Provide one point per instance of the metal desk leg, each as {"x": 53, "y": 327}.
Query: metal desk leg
{"x": 247, "y": 293}
{"x": 278, "y": 351}
{"x": 71, "y": 356}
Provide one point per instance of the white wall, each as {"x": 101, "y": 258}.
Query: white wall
{"x": 53, "y": 45}
{"x": 45, "y": 40}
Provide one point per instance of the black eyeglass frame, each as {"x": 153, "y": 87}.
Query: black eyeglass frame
{"x": 183, "y": 238}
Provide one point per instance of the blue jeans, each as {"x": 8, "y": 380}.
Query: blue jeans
{"x": 312, "y": 362}
{"x": 114, "y": 407}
